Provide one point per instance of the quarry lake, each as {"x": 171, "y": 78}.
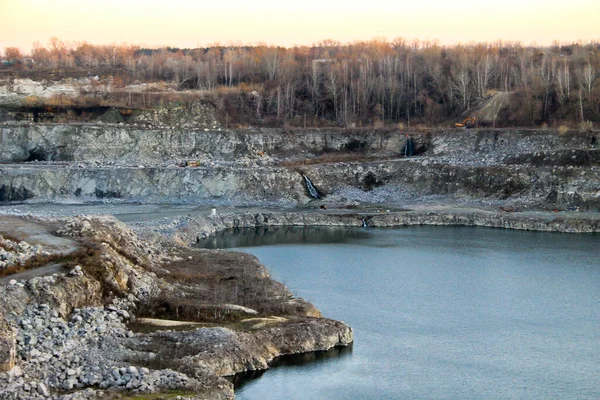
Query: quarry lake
{"x": 438, "y": 312}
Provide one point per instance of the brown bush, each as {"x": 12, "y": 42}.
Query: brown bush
{"x": 198, "y": 289}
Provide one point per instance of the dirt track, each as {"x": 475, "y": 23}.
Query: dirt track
{"x": 36, "y": 233}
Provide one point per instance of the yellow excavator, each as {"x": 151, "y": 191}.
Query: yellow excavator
{"x": 466, "y": 123}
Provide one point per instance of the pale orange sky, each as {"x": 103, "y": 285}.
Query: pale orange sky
{"x": 193, "y": 23}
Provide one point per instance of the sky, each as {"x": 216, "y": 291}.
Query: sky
{"x": 195, "y": 23}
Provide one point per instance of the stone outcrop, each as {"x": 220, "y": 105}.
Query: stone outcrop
{"x": 130, "y": 144}
{"x": 529, "y": 221}
{"x": 126, "y": 143}
{"x": 65, "y": 335}
{"x": 227, "y": 352}
{"x": 12, "y": 252}
{"x": 535, "y": 168}
{"x": 386, "y": 181}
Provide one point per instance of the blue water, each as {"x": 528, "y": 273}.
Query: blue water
{"x": 442, "y": 313}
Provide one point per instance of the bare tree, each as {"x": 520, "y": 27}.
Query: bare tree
{"x": 462, "y": 87}
{"x": 587, "y": 78}
{"x": 12, "y": 53}
{"x": 484, "y": 74}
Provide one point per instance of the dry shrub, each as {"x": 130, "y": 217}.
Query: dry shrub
{"x": 60, "y": 101}
{"x": 421, "y": 128}
{"x": 11, "y": 237}
{"x": 200, "y": 288}
{"x": 563, "y": 129}
{"x": 401, "y": 126}
{"x": 32, "y": 101}
{"x": 34, "y": 262}
{"x": 586, "y": 126}
{"x": 224, "y": 90}
{"x": 250, "y": 87}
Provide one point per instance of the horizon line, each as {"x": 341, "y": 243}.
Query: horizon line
{"x": 238, "y": 43}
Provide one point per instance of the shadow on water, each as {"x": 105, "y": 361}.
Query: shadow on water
{"x": 304, "y": 360}
{"x": 261, "y": 236}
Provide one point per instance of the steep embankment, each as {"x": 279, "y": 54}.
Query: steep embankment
{"x": 389, "y": 181}
{"x": 129, "y": 144}
{"x": 528, "y": 168}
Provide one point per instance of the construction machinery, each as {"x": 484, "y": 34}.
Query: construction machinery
{"x": 466, "y": 123}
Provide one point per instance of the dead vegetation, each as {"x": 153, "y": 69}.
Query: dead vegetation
{"x": 36, "y": 261}
{"x": 414, "y": 84}
{"x": 209, "y": 286}
{"x": 11, "y": 237}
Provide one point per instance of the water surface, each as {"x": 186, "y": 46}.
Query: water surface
{"x": 441, "y": 312}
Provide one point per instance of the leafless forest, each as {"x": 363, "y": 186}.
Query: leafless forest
{"x": 376, "y": 82}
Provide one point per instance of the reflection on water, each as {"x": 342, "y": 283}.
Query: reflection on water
{"x": 440, "y": 312}
{"x": 273, "y": 235}
{"x": 304, "y": 360}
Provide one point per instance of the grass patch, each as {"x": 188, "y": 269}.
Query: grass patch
{"x": 140, "y": 327}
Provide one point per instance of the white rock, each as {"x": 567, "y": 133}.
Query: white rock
{"x": 16, "y": 371}
{"x": 43, "y": 390}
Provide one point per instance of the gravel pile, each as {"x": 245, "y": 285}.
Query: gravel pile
{"x": 382, "y": 194}
{"x": 85, "y": 354}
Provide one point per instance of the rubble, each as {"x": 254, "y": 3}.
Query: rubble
{"x": 66, "y": 335}
{"x": 17, "y": 253}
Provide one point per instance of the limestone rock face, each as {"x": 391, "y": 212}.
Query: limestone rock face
{"x": 559, "y": 187}
{"x": 124, "y": 163}
{"x": 130, "y": 144}
{"x": 192, "y": 229}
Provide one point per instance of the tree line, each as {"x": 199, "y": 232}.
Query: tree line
{"x": 366, "y": 82}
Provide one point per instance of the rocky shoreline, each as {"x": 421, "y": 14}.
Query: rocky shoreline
{"x": 70, "y": 312}
{"x": 192, "y": 229}
{"x": 69, "y": 334}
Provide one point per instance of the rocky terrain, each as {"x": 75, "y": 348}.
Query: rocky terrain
{"x": 91, "y": 308}
{"x": 531, "y": 169}
{"x": 200, "y": 228}
{"x": 70, "y": 334}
